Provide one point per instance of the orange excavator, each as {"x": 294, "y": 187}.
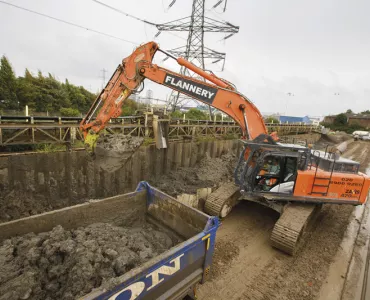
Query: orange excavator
{"x": 291, "y": 179}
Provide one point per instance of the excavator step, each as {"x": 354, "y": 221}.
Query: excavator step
{"x": 322, "y": 185}
{"x": 323, "y": 178}
{"x": 288, "y": 232}
{"x": 319, "y": 193}
{"x": 220, "y": 202}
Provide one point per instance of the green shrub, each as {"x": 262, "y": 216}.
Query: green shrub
{"x": 129, "y": 107}
{"x": 69, "y": 112}
{"x": 48, "y": 148}
{"x": 340, "y": 120}
{"x": 196, "y": 114}
{"x": 343, "y": 127}
{"x": 177, "y": 114}
{"x": 271, "y": 120}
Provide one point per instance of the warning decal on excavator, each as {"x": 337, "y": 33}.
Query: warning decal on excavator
{"x": 197, "y": 90}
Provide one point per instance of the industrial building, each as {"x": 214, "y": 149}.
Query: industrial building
{"x": 352, "y": 119}
{"x": 298, "y": 120}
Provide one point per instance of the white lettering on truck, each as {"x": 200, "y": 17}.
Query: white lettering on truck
{"x": 138, "y": 287}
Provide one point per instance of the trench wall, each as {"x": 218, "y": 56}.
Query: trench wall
{"x": 32, "y": 183}
{"x": 59, "y": 179}
{"x": 310, "y": 138}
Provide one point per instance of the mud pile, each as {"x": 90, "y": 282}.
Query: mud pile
{"x": 331, "y": 139}
{"x": 17, "y": 204}
{"x": 209, "y": 172}
{"x": 119, "y": 143}
{"x": 66, "y": 264}
{"x": 113, "y": 151}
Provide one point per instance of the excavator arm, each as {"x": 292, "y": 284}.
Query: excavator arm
{"x": 135, "y": 68}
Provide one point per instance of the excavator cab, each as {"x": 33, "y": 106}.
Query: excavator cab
{"x": 267, "y": 168}
{"x": 277, "y": 174}
{"x": 284, "y": 173}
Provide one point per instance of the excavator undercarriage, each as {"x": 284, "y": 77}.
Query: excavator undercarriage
{"x": 288, "y": 232}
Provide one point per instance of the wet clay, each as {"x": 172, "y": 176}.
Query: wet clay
{"x": 66, "y": 264}
{"x": 209, "y": 172}
{"x": 113, "y": 151}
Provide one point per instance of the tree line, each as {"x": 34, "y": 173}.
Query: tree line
{"x": 41, "y": 93}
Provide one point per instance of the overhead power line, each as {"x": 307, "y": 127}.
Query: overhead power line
{"x": 195, "y": 51}
{"x": 124, "y": 13}
{"x": 68, "y": 23}
{"x": 135, "y": 18}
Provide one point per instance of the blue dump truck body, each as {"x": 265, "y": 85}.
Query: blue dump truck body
{"x": 173, "y": 274}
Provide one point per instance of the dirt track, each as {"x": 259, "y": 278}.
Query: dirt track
{"x": 248, "y": 268}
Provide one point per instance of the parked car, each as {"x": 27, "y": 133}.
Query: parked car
{"x": 365, "y": 137}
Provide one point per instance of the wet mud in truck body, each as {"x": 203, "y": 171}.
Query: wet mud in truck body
{"x": 178, "y": 244}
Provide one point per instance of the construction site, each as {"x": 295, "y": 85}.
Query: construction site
{"x": 330, "y": 265}
{"x": 156, "y": 206}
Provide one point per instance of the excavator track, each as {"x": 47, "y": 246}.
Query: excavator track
{"x": 288, "y": 232}
{"x": 220, "y": 202}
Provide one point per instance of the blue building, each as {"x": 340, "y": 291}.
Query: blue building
{"x": 294, "y": 120}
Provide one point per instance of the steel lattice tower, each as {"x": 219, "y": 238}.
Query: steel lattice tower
{"x": 194, "y": 50}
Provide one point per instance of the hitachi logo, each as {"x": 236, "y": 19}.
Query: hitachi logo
{"x": 183, "y": 85}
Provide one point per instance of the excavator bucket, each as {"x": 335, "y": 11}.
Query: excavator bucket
{"x": 90, "y": 142}
{"x": 114, "y": 150}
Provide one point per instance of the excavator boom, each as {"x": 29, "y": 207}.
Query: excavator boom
{"x": 135, "y": 68}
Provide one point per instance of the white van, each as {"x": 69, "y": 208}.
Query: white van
{"x": 361, "y": 135}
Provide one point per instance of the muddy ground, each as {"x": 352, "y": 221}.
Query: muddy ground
{"x": 245, "y": 265}
{"x": 332, "y": 139}
{"x": 249, "y": 268}
{"x": 210, "y": 172}
{"x": 32, "y": 184}
{"x": 67, "y": 264}
{"x": 49, "y": 181}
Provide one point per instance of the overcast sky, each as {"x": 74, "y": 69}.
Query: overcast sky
{"x": 313, "y": 49}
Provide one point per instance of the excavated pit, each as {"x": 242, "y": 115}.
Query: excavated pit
{"x": 67, "y": 264}
{"x": 39, "y": 182}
